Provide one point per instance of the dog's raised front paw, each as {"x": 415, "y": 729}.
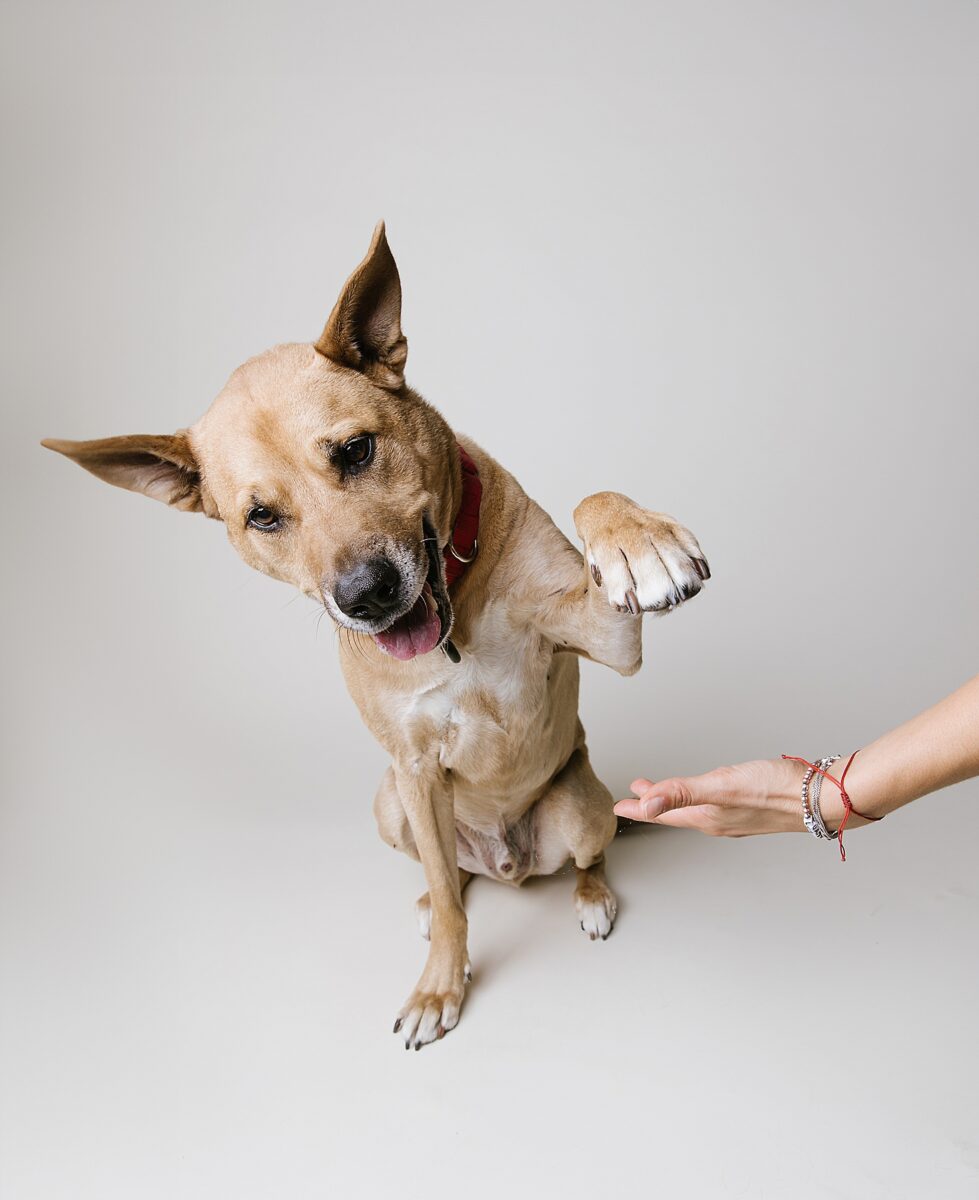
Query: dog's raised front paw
{"x": 433, "y": 1008}
{"x": 644, "y": 561}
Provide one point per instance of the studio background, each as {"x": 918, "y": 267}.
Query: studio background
{"x": 721, "y": 257}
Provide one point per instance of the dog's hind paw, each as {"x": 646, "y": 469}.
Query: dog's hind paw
{"x": 423, "y": 911}
{"x": 596, "y": 907}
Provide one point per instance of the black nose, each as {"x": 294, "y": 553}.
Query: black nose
{"x": 370, "y": 590}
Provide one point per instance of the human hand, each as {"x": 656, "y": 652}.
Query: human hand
{"x": 751, "y": 797}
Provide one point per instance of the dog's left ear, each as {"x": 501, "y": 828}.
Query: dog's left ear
{"x": 364, "y": 329}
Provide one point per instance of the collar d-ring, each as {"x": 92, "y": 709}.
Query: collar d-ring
{"x": 456, "y": 555}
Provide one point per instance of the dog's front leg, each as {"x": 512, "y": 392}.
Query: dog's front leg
{"x": 433, "y": 1007}
{"x": 636, "y": 561}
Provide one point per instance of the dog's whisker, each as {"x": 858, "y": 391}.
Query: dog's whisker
{"x": 321, "y": 615}
{"x": 355, "y": 641}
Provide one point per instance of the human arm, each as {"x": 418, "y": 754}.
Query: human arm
{"x": 933, "y": 750}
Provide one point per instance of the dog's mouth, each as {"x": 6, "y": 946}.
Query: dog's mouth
{"x": 427, "y": 623}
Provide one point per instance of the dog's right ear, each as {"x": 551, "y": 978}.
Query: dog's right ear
{"x": 364, "y": 330}
{"x": 162, "y": 467}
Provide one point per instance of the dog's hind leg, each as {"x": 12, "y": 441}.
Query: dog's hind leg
{"x": 575, "y": 820}
{"x": 392, "y": 820}
{"x": 393, "y": 826}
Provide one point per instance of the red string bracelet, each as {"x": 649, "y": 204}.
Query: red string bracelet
{"x": 838, "y": 783}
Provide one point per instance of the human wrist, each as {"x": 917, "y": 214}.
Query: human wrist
{"x": 863, "y": 786}
{"x": 786, "y": 790}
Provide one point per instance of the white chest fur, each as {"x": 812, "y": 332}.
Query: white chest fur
{"x": 483, "y": 710}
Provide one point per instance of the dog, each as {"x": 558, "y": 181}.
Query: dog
{"x": 463, "y": 609}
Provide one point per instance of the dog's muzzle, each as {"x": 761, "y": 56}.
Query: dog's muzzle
{"x": 371, "y": 596}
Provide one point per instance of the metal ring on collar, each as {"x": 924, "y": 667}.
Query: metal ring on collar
{"x": 455, "y": 553}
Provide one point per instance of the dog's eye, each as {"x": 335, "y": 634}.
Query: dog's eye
{"x": 263, "y": 518}
{"x": 358, "y": 451}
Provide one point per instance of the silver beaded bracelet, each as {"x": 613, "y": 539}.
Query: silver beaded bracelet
{"x": 811, "y": 816}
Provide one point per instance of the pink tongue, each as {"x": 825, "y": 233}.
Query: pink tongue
{"x": 416, "y": 632}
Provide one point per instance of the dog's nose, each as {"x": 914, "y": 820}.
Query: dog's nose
{"x": 369, "y": 591}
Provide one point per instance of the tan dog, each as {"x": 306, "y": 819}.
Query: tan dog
{"x": 330, "y": 473}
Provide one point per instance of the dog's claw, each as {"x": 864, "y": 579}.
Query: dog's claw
{"x": 398, "y": 1023}
{"x": 702, "y": 568}
{"x": 596, "y": 574}
{"x": 633, "y": 602}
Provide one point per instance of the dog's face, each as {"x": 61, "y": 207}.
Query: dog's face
{"x": 326, "y": 470}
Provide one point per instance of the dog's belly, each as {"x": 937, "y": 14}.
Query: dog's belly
{"x": 509, "y": 854}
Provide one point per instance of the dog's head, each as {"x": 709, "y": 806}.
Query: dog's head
{"x": 327, "y": 470}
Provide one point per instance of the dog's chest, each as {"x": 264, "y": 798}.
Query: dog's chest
{"x": 483, "y": 708}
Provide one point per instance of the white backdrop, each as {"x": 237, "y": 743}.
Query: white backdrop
{"x": 738, "y": 240}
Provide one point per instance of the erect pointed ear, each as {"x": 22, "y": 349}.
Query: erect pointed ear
{"x": 364, "y": 329}
{"x": 162, "y": 467}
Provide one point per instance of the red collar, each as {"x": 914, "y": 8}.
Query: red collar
{"x": 463, "y": 546}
